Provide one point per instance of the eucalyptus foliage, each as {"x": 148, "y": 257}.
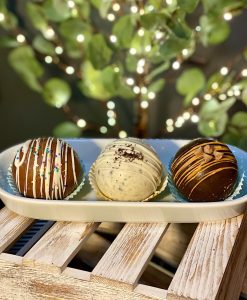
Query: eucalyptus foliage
{"x": 102, "y": 66}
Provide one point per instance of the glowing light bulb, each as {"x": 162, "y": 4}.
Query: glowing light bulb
{"x": 116, "y": 69}
{"x": 136, "y": 89}
{"x": 130, "y": 81}
{"x": 132, "y": 51}
{"x": 198, "y": 28}
{"x": 195, "y": 101}
{"x": 110, "y": 105}
{"x": 134, "y": 9}
{"x": 111, "y": 121}
{"x": 244, "y": 73}
{"x": 140, "y": 70}
{"x": 48, "y": 59}
{"x": 49, "y": 33}
{"x": 80, "y": 38}
{"x": 148, "y": 48}
{"x": 215, "y": 85}
{"x": 71, "y": 4}
{"x": 103, "y": 129}
{"x": 169, "y": 2}
{"x": 186, "y": 115}
{"x": 169, "y": 122}
{"x": 144, "y": 90}
{"x": 222, "y": 97}
{"x": 141, "y": 62}
{"x": 159, "y": 35}
{"x": 111, "y": 17}
{"x": 20, "y": 38}
{"x": 150, "y": 7}
{"x": 70, "y": 70}
{"x": 141, "y": 32}
{"x": 230, "y": 93}
{"x": 151, "y": 95}
{"x": 185, "y": 52}
{"x": 194, "y": 118}
{"x": 144, "y": 104}
{"x": 170, "y": 128}
{"x": 122, "y": 134}
{"x": 110, "y": 113}
{"x": 227, "y": 16}
{"x": 116, "y": 7}
{"x": 59, "y": 50}
{"x": 207, "y": 97}
{"x": 237, "y": 93}
{"x": 113, "y": 38}
{"x": 224, "y": 71}
{"x": 176, "y": 65}
{"x": 81, "y": 123}
{"x": 2, "y": 17}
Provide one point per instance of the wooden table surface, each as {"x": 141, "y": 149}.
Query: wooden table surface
{"x": 213, "y": 266}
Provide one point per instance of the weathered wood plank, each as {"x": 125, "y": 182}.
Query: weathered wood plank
{"x": 59, "y": 245}
{"x": 11, "y": 227}
{"x": 19, "y": 282}
{"x": 200, "y": 273}
{"x": 233, "y": 278}
{"x": 128, "y": 255}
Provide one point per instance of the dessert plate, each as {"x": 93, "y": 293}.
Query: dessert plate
{"x": 86, "y": 207}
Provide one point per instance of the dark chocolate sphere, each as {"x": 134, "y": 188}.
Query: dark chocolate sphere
{"x": 205, "y": 170}
{"x": 46, "y": 168}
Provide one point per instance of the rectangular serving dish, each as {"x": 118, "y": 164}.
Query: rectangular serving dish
{"x": 86, "y": 207}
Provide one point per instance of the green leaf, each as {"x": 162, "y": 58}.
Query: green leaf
{"x": 98, "y": 51}
{"x": 131, "y": 62}
{"x": 56, "y": 10}
{"x": 56, "y": 92}
{"x": 152, "y": 20}
{"x": 67, "y": 130}
{"x": 158, "y": 70}
{"x": 36, "y": 16}
{"x": 92, "y": 84}
{"x": 188, "y": 5}
{"x": 189, "y": 83}
{"x": 103, "y": 6}
{"x": 124, "y": 30}
{"x": 172, "y": 47}
{"x": 8, "y": 42}
{"x": 71, "y": 28}
{"x": 156, "y": 86}
{"x": 213, "y": 30}
{"x": 239, "y": 121}
{"x": 244, "y": 96}
{"x": 23, "y": 61}
{"x": 43, "y": 46}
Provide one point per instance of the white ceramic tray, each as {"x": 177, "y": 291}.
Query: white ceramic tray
{"x": 86, "y": 207}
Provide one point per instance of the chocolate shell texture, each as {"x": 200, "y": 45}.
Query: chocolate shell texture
{"x": 205, "y": 170}
{"x": 46, "y": 168}
{"x": 128, "y": 170}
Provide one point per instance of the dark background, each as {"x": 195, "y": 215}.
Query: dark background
{"x": 23, "y": 114}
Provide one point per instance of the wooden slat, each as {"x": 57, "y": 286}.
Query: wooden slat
{"x": 25, "y": 282}
{"x": 244, "y": 287}
{"x": 11, "y": 227}
{"x": 128, "y": 255}
{"x": 59, "y": 245}
{"x": 200, "y": 273}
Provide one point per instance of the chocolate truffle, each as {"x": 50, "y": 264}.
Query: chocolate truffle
{"x": 205, "y": 170}
{"x": 128, "y": 170}
{"x": 46, "y": 168}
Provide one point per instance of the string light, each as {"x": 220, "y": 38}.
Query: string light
{"x": 159, "y": 35}
{"x": 81, "y": 123}
{"x": 144, "y": 90}
{"x": 148, "y": 48}
{"x": 237, "y": 93}
{"x": 130, "y": 81}
{"x": 116, "y": 7}
{"x": 110, "y": 114}
{"x": 227, "y": 16}
{"x": 110, "y": 105}
{"x": 134, "y": 9}
{"x": 103, "y": 129}
{"x": 150, "y": 8}
{"x": 113, "y": 38}
{"x": 222, "y": 97}
{"x": 140, "y": 70}
{"x": 74, "y": 12}
{"x": 144, "y": 104}
{"x": 80, "y": 38}
{"x": 71, "y": 4}
{"x": 111, "y": 17}
{"x": 136, "y": 89}
{"x": 122, "y": 134}
{"x": 48, "y": 59}
{"x": 111, "y": 121}
{"x": 141, "y": 11}
{"x": 49, "y": 33}
{"x": 215, "y": 85}
{"x": 224, "y": 71}
{"x": 116, "y": 69}
{"x": 132, "y": 51}
{"x": 141, "y": 32}
{"x": 169, "y": 2}
{"x": 20, "y": 38}
{"x": 195, "y": 101}
{"x": 198, "y": 28}
{"x": 207, "y": 97}
{"x": 70, "y": 70}
{"x": 195, "y": 118}
{"x": 151, "y": 95}
{"x": 176, "y": 65}
{"x": 59, "y": 50}
{"x": 2, "y": 17}
{"x": 185, "y": 52}
{"x": 244, "y": 73}
{"x": 230, "y": 93}
{"x": 170, "y": 128}
{"x": 141, "y": 62}
{"x": 186, "y": 115}
{"x": 169, "y": 122}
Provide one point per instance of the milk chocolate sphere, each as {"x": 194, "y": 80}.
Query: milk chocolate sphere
{"x": 46, "y": 168}
{"x": 205, "y": 170}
